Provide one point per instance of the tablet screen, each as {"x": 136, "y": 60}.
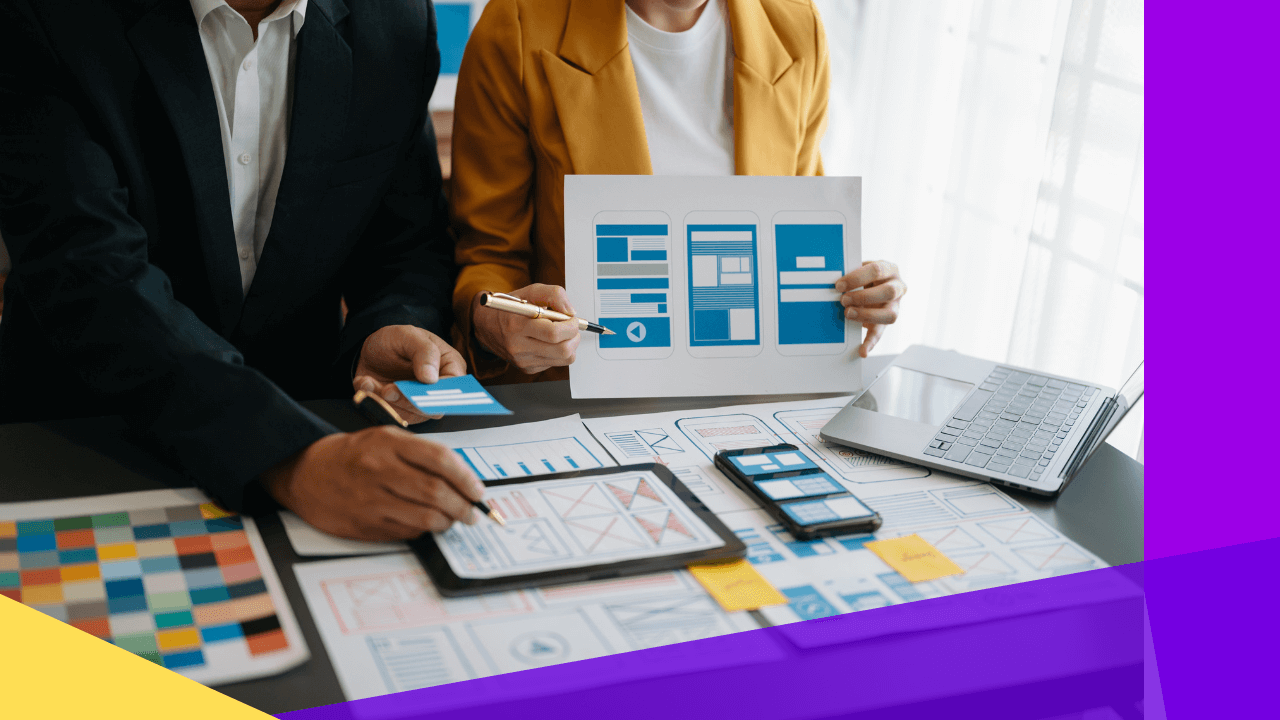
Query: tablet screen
{"x": 575, "y": 522}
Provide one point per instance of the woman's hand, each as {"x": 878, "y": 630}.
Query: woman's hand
{"x": 870, "y": 295}
{"x": 531, "y": 345}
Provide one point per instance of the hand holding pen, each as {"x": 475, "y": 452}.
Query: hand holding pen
{"x": 533, "y": 328}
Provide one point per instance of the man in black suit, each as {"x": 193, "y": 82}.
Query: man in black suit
{"x": 187, "y": 189}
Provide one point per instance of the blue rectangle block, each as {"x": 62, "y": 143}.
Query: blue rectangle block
{"x": 186, "y": 528}
{"x": 662, "y": 308}
{"x": 221, "y": 632}
{"x": 226, "y": 524}
{"x": 453, "y": 27}
{"x": 710, "y": 325}
{"x": 631, "y": 230}
{"x": 135, "y": 603}
{"x": 34, "y": 527}
{"x": 208, "y": 595}
{"x": 611, "y": 249}
{"x": 808, "y": 603}
{"x": 256, "y": 587}
{"x": 37, "y": 543}
{"x": 810, "y": 323}
{"x": 632, "y": 283}
{"x": 795, "y": 241}
{"x": 648, "y": 297}
{"x": 183, "y": 659}
{"x": 635, "y": 332}
{"x": 180, "y": 618}
{"x": 131, "y": 587}
{"x": 150, "y": 532}
{"x": 648, "y": 254}
{"x": 160, "y": 564}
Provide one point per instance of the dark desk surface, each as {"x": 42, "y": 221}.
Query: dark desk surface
{"x": 1102, "y": 509}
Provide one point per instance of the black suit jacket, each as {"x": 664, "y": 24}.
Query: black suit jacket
{"x": 125, "y": 297}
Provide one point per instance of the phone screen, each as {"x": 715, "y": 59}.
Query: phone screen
{"x": 784, "y": 461}
{"x": 824, "y": 511}
{"x": 799, "y": 487}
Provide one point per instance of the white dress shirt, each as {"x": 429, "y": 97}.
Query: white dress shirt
{"x": 253, "y": 84}
{"x": 685, "y": 81}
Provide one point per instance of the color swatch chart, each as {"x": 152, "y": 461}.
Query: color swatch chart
{"x": 166, "y": 575}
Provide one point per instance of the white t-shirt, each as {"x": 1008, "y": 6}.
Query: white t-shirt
{"x": 686, "y": 93}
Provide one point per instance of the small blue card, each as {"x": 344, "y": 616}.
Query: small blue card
{"x": 452, "y": 396}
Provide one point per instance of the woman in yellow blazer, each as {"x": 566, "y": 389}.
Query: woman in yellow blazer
{"x": 550, "y": 87}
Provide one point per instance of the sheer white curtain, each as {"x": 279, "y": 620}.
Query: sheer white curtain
{"x": 1001, "y": 146}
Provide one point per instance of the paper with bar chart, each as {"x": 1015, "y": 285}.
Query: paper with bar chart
{"x": 712, "y": 286}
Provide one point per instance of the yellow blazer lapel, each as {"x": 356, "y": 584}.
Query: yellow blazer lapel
{"x": 593, "y": 86}
{"x": 767, "y": 95}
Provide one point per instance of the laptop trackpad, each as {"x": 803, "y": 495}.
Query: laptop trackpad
{"x": 913, "y": 395}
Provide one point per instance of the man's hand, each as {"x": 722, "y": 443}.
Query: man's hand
{"x": 377, "y": 484}
{"x": 871, "y": 294}
{"x": 531, "y": 345}
{"x": 405, "y": 352}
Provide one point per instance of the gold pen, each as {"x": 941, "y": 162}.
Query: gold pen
{"x": 512, "y": 304}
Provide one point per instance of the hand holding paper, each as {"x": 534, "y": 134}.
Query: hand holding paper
{"x": 404, "y": 352}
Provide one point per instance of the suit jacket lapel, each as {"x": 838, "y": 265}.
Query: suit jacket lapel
{"x": 167, "y": 42}
{"x": 767, "y": 93}
{"x": 318, "y": 120}
{"x": 593, "y": 86}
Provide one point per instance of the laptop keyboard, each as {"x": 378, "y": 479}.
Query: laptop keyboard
{"x": 1013, "y": 424}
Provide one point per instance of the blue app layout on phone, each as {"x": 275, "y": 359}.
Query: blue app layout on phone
{"x": 829, "y": 510}
{"x": 786, "y": 461}
{"x": 799, "y": 487}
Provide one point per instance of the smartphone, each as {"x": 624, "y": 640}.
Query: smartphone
{"x": 796, "y": 492}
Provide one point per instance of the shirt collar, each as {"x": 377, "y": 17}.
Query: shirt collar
{"x": 202, "y": 8}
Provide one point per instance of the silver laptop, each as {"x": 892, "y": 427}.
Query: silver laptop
{"x": 985, "y": 420}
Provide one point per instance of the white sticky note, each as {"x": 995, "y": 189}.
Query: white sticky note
{"x": 753, "y": 460}
{"x": 789, "y": 459}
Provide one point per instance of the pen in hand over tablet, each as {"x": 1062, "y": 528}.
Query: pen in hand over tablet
{"x": 380, "y": 412}
{"x": 512, "y": 304}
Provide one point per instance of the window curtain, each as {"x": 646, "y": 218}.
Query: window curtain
{"x": 1001, "y": 146}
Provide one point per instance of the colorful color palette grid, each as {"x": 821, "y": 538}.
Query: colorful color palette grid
{"x": 178, "y": 585}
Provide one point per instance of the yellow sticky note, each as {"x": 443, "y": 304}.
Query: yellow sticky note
{"x": 737, "y": 586}
{"x": 914, "y": 558}
{"x": 211, "y": 511}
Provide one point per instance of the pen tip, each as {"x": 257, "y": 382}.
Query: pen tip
{"x": 497, "y": 518}
{"x": 607, "y": 331}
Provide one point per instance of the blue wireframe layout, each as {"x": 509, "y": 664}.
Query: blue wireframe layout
{"x": 810, "y": 261}
{"x": 633, "y": 281}
{"x": 724, "y": 287}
